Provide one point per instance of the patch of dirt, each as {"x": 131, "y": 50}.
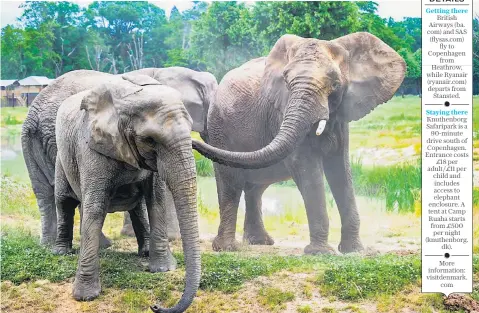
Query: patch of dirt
{"x": 44, "y": 296}
{"x": 405, "y": 252}
{"x": 457, "y": 302}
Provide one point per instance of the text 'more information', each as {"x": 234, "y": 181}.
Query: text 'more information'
{"x": 447, "y": 146}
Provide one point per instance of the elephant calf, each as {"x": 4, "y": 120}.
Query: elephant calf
{"x": 39, "y": 141}
{"x": 110, "y": 140}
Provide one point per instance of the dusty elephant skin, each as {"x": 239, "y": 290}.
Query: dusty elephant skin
{"x": 39, "y": 142}
{"x": 173, "y": 229}
{"x": 286, "y": 116}
{"x": 110, "y": 140}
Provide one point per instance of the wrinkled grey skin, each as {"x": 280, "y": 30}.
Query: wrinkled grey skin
{"x": 39, "y": 142}
{"x": 173, "y": 228}
{"x": 110, "y": 141}
{"x": 267, "y": 113}
{"x": 197, "y": 90}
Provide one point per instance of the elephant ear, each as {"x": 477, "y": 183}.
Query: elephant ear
{"x": 375, "y": 73}
{"x": 276, "y": 62}
{"x": 140, "y": 79}
{"x": 104, "y": 105}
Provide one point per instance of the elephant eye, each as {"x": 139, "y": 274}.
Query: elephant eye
{"x": 336, "y": 85}
{"x": 149, "y": 141}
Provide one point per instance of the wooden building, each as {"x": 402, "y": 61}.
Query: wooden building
{"x": 22, "y": 92}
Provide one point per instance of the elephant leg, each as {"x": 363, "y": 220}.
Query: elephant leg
{"x": 42, "y": 179}
{"x": 229, "y": 193}
{"x": 87, "y": 281}
{"x": 65, "y": 205}
{"x": 338, "y": 173}
{"x": 127, "y": 229}
{"x": 254, "y": 231}
{"x": 66, "y": 214}
{"x": 44, "y": 192}
{"x": 161, "y": 258}
{"x": 171, "y": 217}
{"x": 307, "y": 173}
{"x": 105, "y": 243}
{"x": 48, "y": 217}
{"x": 141, "y": 226}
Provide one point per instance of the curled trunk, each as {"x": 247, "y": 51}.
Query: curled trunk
{"x": 297, "y": 123}
{"x": 181, "y": 179}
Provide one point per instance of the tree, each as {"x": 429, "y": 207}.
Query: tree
{"x": 316, "y": 19}
{"x": 223, "y": 37}
{"x": 63, "y": 19}
{"x": 116, "y": 22}
{"x": 11, "y": 47}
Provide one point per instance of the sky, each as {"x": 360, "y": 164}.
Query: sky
{"x": 396, "y": 9}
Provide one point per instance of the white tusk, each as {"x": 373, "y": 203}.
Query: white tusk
{"x": 321, "y": 126}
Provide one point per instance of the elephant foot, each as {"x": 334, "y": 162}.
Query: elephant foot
{"x": 62, "y": 249}
{"x": 86, "y": 290}
{"x": 144, "y": 250}
{"x": 163, "y": 263}
{"x": 315, "y": 249}
{"x": 128, "y": 230}
{"x": 104, "y": 242}
{"x": 222, "y": 244}
{"x": 258, "y": 238}
{"x": 350, "y": 246}
{"x": 48, "y": 240}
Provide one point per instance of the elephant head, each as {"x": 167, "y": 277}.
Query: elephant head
{"x": 145, "y": 124}
{"x": 197, "y": 90}
{"x": 318, "y": 80}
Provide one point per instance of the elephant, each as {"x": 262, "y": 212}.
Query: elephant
{"x": 39, "y": 142}
{"x": 173, "y": 229}
{"x": 111, "y": 138}
{"x": 286, "y": 115}
{"x": 198, "y": 89}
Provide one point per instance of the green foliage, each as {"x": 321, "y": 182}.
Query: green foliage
{"x": 10, "y": 120}
{"x": 305, "y": 309}
{"x": 119, "y": 36}
{"x": 17, "y": 197}
{"x": 358, "y": 278}
{"x": 400, "y": 184}
{"x": 223, "y": 38}
{"x": 274, "y": 298}
{"x": 24, "y": 259}
{"x": 204, "y": 167}
{"x": 228, "y": 271}
{"x": 347, "y": 278}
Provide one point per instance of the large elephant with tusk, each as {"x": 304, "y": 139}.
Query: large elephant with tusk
{"x": 286, "y": 116}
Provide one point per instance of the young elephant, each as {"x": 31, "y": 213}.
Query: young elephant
{"x": 39, "y": 142}
{"x": 303, "y": 95}
{"x": 110, "y": 140}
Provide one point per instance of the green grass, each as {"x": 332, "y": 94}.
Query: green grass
{"x": 399, "y": 184}
{"x": 24, "y": 259}
{"x": 17, "y": 198}
{"x": 204, "y": 166}
{"x": 274, "y": 298}
{"x": 13, "y": 116}
{"x": 355, "y": 278}
{"x": 305, "y": 309}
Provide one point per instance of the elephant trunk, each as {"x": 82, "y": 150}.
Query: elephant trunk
{"x": 301, "y": 113}
{"x": 181, "y": 179}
